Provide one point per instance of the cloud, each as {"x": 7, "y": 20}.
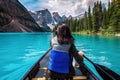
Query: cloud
{"x": 63, "y": 7}
{"x": 69, "y": 7}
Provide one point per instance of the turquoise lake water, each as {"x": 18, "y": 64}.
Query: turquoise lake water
{"x": 19, "y": 51}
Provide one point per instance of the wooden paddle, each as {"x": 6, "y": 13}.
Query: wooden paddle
{"x": 104, "y": 72}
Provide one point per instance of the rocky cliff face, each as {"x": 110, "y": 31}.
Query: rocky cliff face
{"x": 70, "y": 17}
{"x": 14, "y": 17}
{"x": 56, "y": 17}
{"x": 64, "y": 17}
{"x": 47, "y": 20}
{"x": 42, "y": 17}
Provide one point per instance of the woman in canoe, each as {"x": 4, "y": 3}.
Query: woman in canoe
{"x": 62, "y": 53}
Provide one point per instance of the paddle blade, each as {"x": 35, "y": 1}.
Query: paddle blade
{"x": 106, "y": 73}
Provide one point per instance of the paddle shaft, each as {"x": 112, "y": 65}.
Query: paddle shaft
{"x": 88, "y": 59}
{"x": 97, "y": 66}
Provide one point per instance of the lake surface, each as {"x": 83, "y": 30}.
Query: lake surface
{"x": 19, "y": 51}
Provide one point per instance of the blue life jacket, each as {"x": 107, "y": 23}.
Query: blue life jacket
{"x": 59, "y": 61}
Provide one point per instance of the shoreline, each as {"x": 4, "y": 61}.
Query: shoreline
{"x": 99, "y": 34}
{"x": 117, "y": 35}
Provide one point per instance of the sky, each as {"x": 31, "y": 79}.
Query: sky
{"x": 63, "y": 7}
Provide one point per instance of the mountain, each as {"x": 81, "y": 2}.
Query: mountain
{"x": 64, "y": 18}
{"x": 14, "y": 17}
{"x": 47, "y": 20}
{"x": 79, "y": 16}
{"x": 57, "y": 18}
{"x": 42, "y": 17}
{"x": 70, "y": 17}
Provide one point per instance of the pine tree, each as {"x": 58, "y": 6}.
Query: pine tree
{"x": 105, "y": 19}
{"x": 95, "y": 18}
{"x": 100, "y": 14}
{"x": 89, "y": 19}
{"x": 80, "y": 25}
{"x": 74, "y": 25}
{"x": 77, "y": 26}
{"x": 109, "y": 12}
{"x": 85, "y": 21}
{"x": 71, "y": 25}
{"x": 115, "y": 16}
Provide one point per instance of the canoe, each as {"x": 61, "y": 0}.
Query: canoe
{"x": 39, "y": 71}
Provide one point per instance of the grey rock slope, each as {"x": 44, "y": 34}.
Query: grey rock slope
{"x": 14, "y": 17}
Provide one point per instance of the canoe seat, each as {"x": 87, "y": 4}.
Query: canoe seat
{"x": 76, "y": 66}
{"x": 44, "y": 68}
{"x": 79, "y": 77}
{"x": 46, "y": 71}
{"x": 74, "y": 78}
{"x": 46, "y": 75}
{"x": 39, "y": 78}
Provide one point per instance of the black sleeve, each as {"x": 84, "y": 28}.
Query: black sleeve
{"x": 74, "y": 52}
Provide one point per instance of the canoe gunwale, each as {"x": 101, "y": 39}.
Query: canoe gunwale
{"x": 85, "y": 70}
{"x": 34, "y": 68}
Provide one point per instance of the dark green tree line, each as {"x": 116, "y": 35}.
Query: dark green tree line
{"x": 98, "y": 19}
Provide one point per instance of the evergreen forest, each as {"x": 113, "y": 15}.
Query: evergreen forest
{"x": 98, "y": 19}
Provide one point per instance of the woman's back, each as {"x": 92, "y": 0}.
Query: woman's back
{"x": 63, "y": 50}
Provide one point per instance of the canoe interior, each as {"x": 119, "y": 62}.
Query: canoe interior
{"x": 39, "y": 70}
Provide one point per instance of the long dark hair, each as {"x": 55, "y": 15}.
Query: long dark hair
{"x": 64, "y": 35}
